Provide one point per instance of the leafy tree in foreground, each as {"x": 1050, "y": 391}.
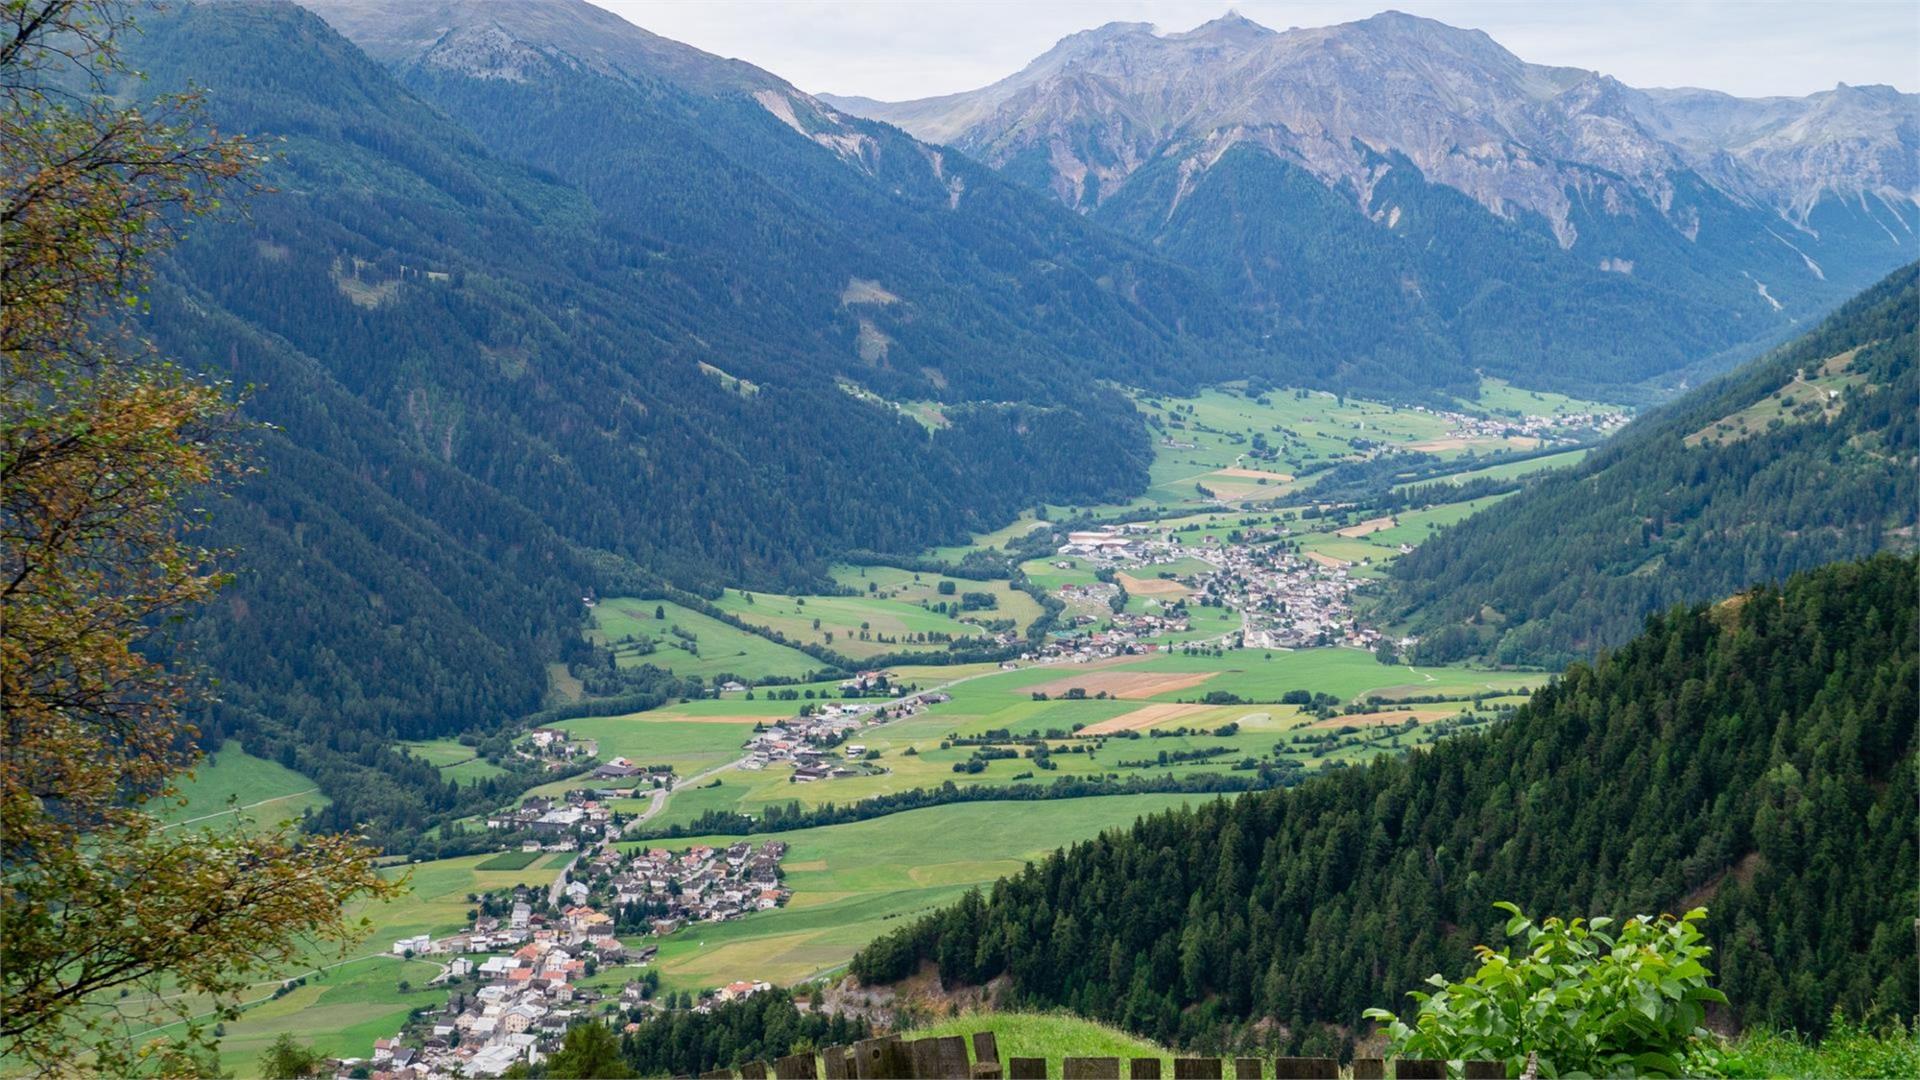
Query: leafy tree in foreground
{"x": 1580, "y": 1000}
{"x": 101, "y": 448}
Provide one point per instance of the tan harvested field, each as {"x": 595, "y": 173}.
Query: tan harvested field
{"x": 1371, "y": 525}
{"x": 1511, "y": 442}
{"x": 1256, "y": 474}
{"x": 1394, "y": 716}
{"x": 1151, "y": 586}
{"x": 1127, "y": 685}
{"x": 1144, "y": 717}
{"x": 1327, "y": 560}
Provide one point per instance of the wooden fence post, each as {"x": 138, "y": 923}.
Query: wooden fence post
{"x": 986, "y": 1056}
{"x": 1369, "y": 1069}
{"x": 1308, "y": 1068}
{"x": 796, "y": 1067}
{"x": 1196, "y": 1069}
{"x": 882, "y": 1059}
{"x": 1145, "y": 1069}
{"x": 1090, "y": 1068}
{"x": 833, "y": 1063}
{"x": 1486, "y": 1070}
{"x": 926, "y": 1059}
{"x": 753, "y": 1070}
{"x": 1419, "y": 1069}
{"x": 1026, "y": 1068}
{"x": 1246, "y": 1069}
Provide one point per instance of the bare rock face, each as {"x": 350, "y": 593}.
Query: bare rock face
{"x": 1519, "y": 138}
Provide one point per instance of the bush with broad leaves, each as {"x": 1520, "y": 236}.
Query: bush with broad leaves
{"x": 1584, "y": 1001}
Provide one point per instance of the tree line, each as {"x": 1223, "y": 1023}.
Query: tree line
{"x": 1756, "y": 754}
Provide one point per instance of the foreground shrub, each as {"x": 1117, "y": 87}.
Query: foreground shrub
{"x": 1584, "y": 1001}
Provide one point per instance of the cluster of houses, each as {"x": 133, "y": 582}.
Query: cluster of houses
{"x": 526, "y": 998}
{"x": 700, "y": 884}
{"x": 555, "y": 748}
{"x": 1463, "y": 426}
{"x": 529, "y": 984}
{"x": 1288, "y": 601}
{"x": 580, "y": 816}
{"x": 812, "y": 742}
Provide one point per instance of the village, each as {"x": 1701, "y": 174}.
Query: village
{"x": 815, "y": 742}
{"x": 1287, "y": 600}
{"x": 527, "y": 953}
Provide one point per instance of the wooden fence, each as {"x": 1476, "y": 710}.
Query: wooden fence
{"x": 945, "y": 1058}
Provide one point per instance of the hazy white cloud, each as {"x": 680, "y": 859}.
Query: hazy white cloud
{"x": 895, "y": 49}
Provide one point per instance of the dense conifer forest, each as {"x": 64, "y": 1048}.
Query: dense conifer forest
{"x": 1659, "y": 516}
{"x": 489, "y": 391}
{"x": 1754, "y": 755}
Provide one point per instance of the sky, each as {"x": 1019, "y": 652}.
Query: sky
{"x": 899, "y": 49}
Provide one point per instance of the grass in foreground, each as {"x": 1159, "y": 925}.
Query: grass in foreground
{"x": 1053, "y": 1036}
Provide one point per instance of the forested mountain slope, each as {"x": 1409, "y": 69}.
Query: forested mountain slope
{"x": 494, "y": 388}
{"x": 1804, "y": 456}
{"x": 1397, "y": 187}
{"x": 1755, "y": 755}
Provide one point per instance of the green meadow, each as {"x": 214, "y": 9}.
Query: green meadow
{"x": 887, "y": 620}
{"x": 1500, "y": 397}
{"x": 1086, "y": 731}
{"x": 454, "y": 759}
{"x": 688, "y": 642}
{"x": 856, "y": 881}
{"x": 231, "y": 785}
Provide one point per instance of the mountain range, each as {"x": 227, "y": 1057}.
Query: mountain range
{"x": 1318, "y": 174}
{"x": 543, "y": 306}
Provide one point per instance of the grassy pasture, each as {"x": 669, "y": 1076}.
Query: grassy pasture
{"x": 690, "y": 742}
{"x": 265, "y": 792}
{"x": 1500, "y": 397}
{"x": 891, "y": 583}
{"x": 454, "y": 760}
{"x": 717, "y": 648}
{"x": 842, "y": 619}
{"x": 856, "y": 881}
